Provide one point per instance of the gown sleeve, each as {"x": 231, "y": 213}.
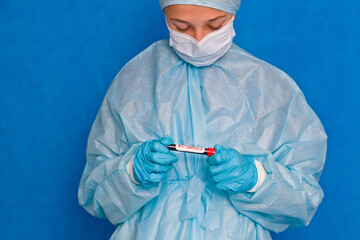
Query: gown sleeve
{"x": 106, "y": 190}
{"x": 290, "y": 194}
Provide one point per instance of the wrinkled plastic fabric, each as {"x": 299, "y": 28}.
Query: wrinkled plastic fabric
{"x": 230, "y": 6}
{"x": 239, "y": 102}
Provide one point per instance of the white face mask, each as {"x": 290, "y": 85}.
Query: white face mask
{"x": 204, "y": 53}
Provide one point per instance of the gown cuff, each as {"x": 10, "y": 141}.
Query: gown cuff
{"x": 130, "y": 170}
{"x": 261, "y": 176}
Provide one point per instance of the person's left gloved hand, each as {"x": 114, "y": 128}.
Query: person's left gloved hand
{"x": 232, "y": 171}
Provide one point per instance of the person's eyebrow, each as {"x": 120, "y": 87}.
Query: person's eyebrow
{"x": 178, "y": 20}
{"x": 211, "y": 20}
{"x": 218, "y": 17}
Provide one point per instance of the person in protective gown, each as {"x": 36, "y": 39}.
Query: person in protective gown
{"x": 203, "y": 91}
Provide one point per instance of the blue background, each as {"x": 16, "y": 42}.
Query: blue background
{"x": 57, "y": 59}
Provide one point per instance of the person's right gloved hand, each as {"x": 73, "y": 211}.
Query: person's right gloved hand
{"x": 152, "y": 161}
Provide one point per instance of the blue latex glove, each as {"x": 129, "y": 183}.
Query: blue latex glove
{"x": 152, "y": 161}
{"x": 232, "y": 171}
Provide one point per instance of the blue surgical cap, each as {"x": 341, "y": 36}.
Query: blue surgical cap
{"x": 230, "y": 6}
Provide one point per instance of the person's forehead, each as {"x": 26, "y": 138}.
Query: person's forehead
{"x": 184, "y": 11}
{"x": 230, "y": 6}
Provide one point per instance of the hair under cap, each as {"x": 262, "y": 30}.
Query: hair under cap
{"x": 230, "y": 6}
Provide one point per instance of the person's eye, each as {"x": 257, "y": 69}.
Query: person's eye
{"x": 182, "y": 29}
{"x": 217, "y": 27}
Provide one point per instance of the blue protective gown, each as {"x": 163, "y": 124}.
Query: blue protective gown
{"x": 239, "y": 102}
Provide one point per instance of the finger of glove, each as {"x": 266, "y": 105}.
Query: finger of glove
{"x": 216, "y": 159}
{"x": 236, "y": 185}
{"x": 142, "y": 151}
{"x": 156, "y": 168}
{"x": 140, "y": 173}
{"x": 219, "y": 157}
{"x": 139, "y": 160}
{"x": 223, "y": 187}
{"x": 166, "y": 140}
{"x": 225, "y": 177}
{"x": 163, "y": 158}
{"x": 157, "y": 177}
{"x": 157, "y": 146}
{"x": 216, "y": 169}
{"x": 219, "y": 148}
{"x": 225, "y": 181}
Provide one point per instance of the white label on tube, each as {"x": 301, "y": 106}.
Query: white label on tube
{"x": 184, "y": 148}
